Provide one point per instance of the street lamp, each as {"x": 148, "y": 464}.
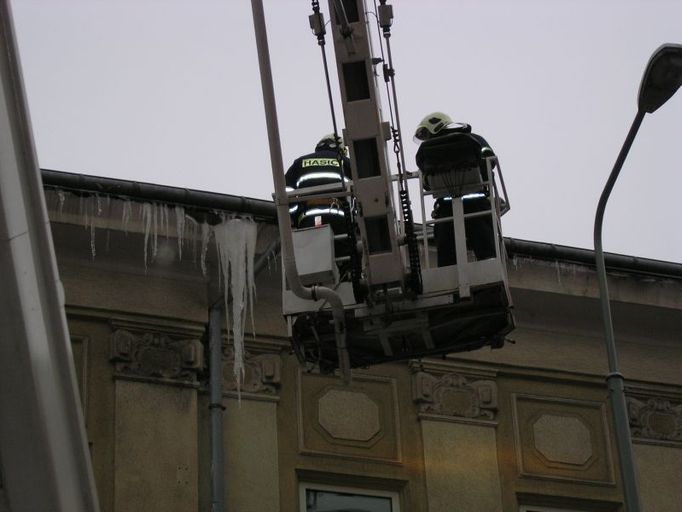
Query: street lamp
{"x": 661, "y": 79}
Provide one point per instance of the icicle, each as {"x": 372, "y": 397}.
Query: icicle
{"x": 84, "y": 203}
{"x": 192, "y": 234}
{"x": 109, "y": 221}
{"x": 90, "y": 222}
{"x": 162, "y": 220}
{"x": 217, "y": 246}
{"x": 180, "y": 228}
{"x": 127, "y": 213}
{"x": 166, "y": 214}
{"x": 235, "y": 240}
{"x": 558, "y": 272}
{"x": 62, "y": 199}
{"x": 155, "y": 233}
{"x": 93, "y": 250}
{"x": 205, "y": 235}
{"x": 251, "y": 237}
{"x": 147, "y": 223}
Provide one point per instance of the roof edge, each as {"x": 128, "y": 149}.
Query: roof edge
{"x": 266, "y": 211}
{"x": 152, "y": 192}
{"x": 618, "y": 262}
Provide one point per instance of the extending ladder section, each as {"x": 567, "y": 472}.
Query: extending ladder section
{"x": 366, "y": 136}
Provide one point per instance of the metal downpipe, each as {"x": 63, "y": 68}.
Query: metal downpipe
{"x": 215, "y": 323}
{"x": 281, "y": 200}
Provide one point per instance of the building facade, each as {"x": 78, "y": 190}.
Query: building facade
{"x": 523, "y": 428}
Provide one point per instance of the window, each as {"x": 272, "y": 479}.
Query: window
{"x": 326, "y": 498}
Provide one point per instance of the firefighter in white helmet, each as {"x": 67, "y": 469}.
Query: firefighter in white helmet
{"x": 445, "y": 145}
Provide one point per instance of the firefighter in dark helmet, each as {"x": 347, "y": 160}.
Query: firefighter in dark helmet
{"x": 327, "y": 165}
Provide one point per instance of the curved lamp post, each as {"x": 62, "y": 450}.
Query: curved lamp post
{"x": 661, "y": 79}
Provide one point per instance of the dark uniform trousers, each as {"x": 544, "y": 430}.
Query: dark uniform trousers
{"x": 443, "y": 156}
{"x": 479, "y": 230}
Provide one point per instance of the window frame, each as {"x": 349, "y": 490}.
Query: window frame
{"x": 303, "y": 486}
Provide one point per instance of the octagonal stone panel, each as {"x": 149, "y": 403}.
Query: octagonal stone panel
{"x": 564, "y": 439}
{"x": 349, "y": 415}
{"x": 360, "y": 421}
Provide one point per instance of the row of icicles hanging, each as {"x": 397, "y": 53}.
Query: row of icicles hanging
{"x": 235, "y": 240}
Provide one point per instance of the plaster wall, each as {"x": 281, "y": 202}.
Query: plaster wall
{"x": 461, "y": 467}
{"x": 252, "y": 465}
{"x": 156, "y": 451}
{"x": 658, "y": 471}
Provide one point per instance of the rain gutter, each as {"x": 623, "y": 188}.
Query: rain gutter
{"x": 614, "y": 262}
{"x": 80, "y": 183}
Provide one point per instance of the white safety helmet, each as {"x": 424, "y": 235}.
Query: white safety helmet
{"x": 431, "y": 125}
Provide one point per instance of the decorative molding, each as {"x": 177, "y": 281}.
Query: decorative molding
{"x": 262, "y": 373}
{"x": 156, "y": 356}
{"x": 655, "y": 419}
{"x": 454, "y": 397}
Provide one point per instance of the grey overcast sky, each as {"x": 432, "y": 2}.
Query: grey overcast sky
{"x": 168, "y": 91}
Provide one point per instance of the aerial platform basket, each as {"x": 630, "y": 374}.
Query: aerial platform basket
{"x": 461, "y": 307}
{"x": 432, "y": 325}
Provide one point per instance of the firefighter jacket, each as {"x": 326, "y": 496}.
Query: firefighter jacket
{"x": 452, "y": 149}
{"x": 319, "y": 168}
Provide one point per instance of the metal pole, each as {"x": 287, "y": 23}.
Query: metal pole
{"x": 282, "y": 202}
{"x": 614, "y": 379}
{"x": 44, "y": 456}
{"x": 215, "y": 322}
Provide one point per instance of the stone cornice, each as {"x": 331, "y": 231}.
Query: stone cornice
{"x": 190, "y": 328}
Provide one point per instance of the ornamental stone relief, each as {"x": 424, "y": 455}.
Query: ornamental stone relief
{"x": 655, "y": 419}
{"x": 262, "y": 373}
{"x": 156, "y": 356}
{"x": 454, "y": 396}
